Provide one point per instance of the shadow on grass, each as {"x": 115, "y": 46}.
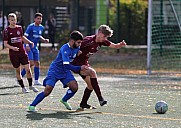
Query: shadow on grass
{"x": 58, "y": 115}
{"x": 15, "y": 93}
{"x": 9, "y": 87}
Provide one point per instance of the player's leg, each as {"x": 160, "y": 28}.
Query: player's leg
{"x": 93, "y": 81}
{"x": 20, "y": 80}
{"x": 25, "y": 63}
{"x": 15, "y": 60}
{"x": 37, "y": 73}
{"x": 23, "y": 71}
{"x": 30, "y": 58}
{"x": 49, "y": 83}
{"x": 36, "y": 66}
{"x": 87, "y": 92}
{"x": 29, "y": 77}
{"x": 70, "y": 82}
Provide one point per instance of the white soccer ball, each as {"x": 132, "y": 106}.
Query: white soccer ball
{"x": 161, "y": 107}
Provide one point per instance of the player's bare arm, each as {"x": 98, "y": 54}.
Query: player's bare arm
{"x": 79, "y": 52}
{"x": 44, "y": 40}
{"x": 10, "y": 47}
{"x": 27, "y": 41}
{"x": 118, "y": 45}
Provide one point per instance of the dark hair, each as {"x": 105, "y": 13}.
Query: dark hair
{"x": 38, "y": 14}
{"x": 76, "y": 35}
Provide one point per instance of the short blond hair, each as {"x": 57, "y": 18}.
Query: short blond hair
{"x": 12, "y": 15}
{"x": 106, "y": 30}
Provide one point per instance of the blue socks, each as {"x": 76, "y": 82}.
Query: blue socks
{"x": 68, "y": 95}
{"x": 41, "y": 96}
{"x": 23, "y": 72}
{"x": 38, "y": 99}
{"x": 36, "y": 72}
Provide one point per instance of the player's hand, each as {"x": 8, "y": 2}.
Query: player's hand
{"x": 15, "y": 49}
{"x": 46, "y": 40}
{"x": 122, "y": 43}
{"x": 32, "y": 44}
{"x": 79, "y": 52}
{"x": 28, "y": 48}
{"x": 84, "y": 67}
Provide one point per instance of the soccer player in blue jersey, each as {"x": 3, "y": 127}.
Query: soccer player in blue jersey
{"x": 34, "y": 33}
{"x": 60, "y": 69}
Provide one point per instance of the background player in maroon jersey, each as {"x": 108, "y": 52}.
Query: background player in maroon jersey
{"x": 13, "y": 37}
{"x": 90, "y": 45}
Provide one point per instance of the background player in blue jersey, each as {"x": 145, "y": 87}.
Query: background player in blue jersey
{"x": 60, "y": 70}
{"x": 34, "y": 33}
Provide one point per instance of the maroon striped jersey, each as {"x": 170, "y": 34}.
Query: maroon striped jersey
{"x": 88, "y": 47}
{"x": 14, "y": 38}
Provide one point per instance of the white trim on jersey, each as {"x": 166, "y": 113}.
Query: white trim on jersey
{"x": 66, "y": 62}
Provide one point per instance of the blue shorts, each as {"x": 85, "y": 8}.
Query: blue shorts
{"x": 33, "y": 54}
{"x": 52, "y": 78}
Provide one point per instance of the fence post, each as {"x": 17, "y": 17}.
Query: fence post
{"x": 118, "y": 23}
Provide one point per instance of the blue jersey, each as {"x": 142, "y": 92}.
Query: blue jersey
{"x": 65, "y": 56}
{"x": 33, "y": 33}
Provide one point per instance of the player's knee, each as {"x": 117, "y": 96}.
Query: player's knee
{"x": 74, "y": 88}
{"x": 27, "y": 70}
{"x": 36, "y": 63}
{"x": 17, "y": 70}
{"x": 92, "y": 72}
{"x": 31, "y": 64}
{"x": 48, "y": 90}
{"x": 73, "y": 85}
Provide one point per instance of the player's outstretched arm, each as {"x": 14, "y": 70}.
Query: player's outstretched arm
{"x": 44, "y": 40}
{"x": 27, "y": 41}
{"x": 118, "y": 45}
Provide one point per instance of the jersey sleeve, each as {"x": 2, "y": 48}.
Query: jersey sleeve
{"x": 106, "y": 43}
{"x": 5, "y": 35}
{"x": 43, "y": 27}
{"x": 65, "y": 55}
{"x": 21, "y": 30}
{"x": 72, "y": 67}
{"x": 28, "y": 31}
{"x": 86, "y": 41}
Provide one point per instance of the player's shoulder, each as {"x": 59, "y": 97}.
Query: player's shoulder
{"x": 91, "y": 37}
{"x": 41, "y": 26}
{"x": 31, "y": 25}
{"x": 88, "y": 40}
{"x": 7, "y": 28}
{"x": 18, "y": 27}
{"x": 65, "y": 47}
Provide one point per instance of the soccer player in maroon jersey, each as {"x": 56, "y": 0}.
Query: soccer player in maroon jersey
{"x": 89, "y": 46}
{"x": 13, "y": 37}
